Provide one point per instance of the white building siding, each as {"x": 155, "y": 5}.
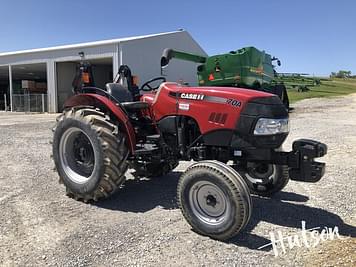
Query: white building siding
{"x": 142, "y": 54}
{"x": 51, "y": 86}
{"x": 59, "y": 55}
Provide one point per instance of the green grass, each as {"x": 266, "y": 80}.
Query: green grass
{"x": 336, "y": 87}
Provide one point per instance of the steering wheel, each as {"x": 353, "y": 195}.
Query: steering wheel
{"x": 147, "y": 85}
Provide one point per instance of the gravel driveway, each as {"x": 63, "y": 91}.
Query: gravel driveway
{"x": 141, "y": 224}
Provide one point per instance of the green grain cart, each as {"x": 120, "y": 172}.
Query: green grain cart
{"x": 247, "y": 67}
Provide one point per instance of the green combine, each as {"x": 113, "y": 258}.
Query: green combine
{"x": 247, "y": 67}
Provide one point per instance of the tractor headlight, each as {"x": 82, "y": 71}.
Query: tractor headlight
{"x": 266, "y": 126}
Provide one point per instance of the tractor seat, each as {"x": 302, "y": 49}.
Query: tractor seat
{"x": 119, "y": 92}
{"x": 124, "y": 96}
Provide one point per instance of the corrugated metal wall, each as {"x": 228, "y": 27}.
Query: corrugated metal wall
{"x": 142, "y": 55}
{"x": 60, "y": 55}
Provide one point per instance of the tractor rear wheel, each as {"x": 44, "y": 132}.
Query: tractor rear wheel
{"x": 90, "y": 154}
{"x": 214, "y": 199}
{"x": 265, "y": 179}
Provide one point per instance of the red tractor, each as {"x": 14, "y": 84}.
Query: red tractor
{"x": 234, "y": 136}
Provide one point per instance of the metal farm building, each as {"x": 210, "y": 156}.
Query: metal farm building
{"x": 40, "y": 80}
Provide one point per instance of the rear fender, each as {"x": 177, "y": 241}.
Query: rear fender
{"x": 96, "y": 100}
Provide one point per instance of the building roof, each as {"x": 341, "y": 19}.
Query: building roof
{"x": 87, "y": 44}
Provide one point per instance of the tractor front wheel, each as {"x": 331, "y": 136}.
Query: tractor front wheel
{"x": 265, "y": 179}
{"x": 90, "y": 154}
{"x": 214, "y": 199}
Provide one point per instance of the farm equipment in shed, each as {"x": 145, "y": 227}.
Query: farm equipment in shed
{"x": 247, "y": 67}
{"x": 103, "y": 132}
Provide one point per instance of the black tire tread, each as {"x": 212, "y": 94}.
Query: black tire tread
{"x": 114, "y": 149}
{"x": 234, "y": 184}
{"x": 283, "y": 180}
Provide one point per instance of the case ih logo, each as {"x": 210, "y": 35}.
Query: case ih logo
{"x": 192, "y": 96}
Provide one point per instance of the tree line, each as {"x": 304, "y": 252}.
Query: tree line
{"x": 342, "y": 74}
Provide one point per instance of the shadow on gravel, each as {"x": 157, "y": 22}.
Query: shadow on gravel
{"x": 144, "y": 195}
{"x": 147, "y": 194}
{"x": 278, "y": 211}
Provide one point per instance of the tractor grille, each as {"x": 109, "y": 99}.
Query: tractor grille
{"x": 219, "y": 118}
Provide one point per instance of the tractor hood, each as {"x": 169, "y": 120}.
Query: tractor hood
{"x": 222, "y": 112}
{"x": 230, "y": 95}
{"x": 252, "y": 106}
{"x": 233, "y": 91}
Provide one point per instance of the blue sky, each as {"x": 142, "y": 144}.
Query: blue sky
{"x": 315, "y": 37}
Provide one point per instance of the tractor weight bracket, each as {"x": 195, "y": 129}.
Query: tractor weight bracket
{"x": 304, "y": 152}
{"x": 300, "y": 160}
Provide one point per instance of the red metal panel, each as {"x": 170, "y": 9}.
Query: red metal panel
{"x": 96, "y": 100}
{"x": 227, "y": 100}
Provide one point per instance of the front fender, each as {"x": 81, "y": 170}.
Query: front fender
{"x": 99, "y": 101}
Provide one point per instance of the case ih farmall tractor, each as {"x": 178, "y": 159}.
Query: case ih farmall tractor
{"x": 103, "y": 132}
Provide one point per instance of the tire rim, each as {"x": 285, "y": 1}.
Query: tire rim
{"x": 261, "y": 173}
{"x": 77, "y": 155}
{"x": 209, "y": 203}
